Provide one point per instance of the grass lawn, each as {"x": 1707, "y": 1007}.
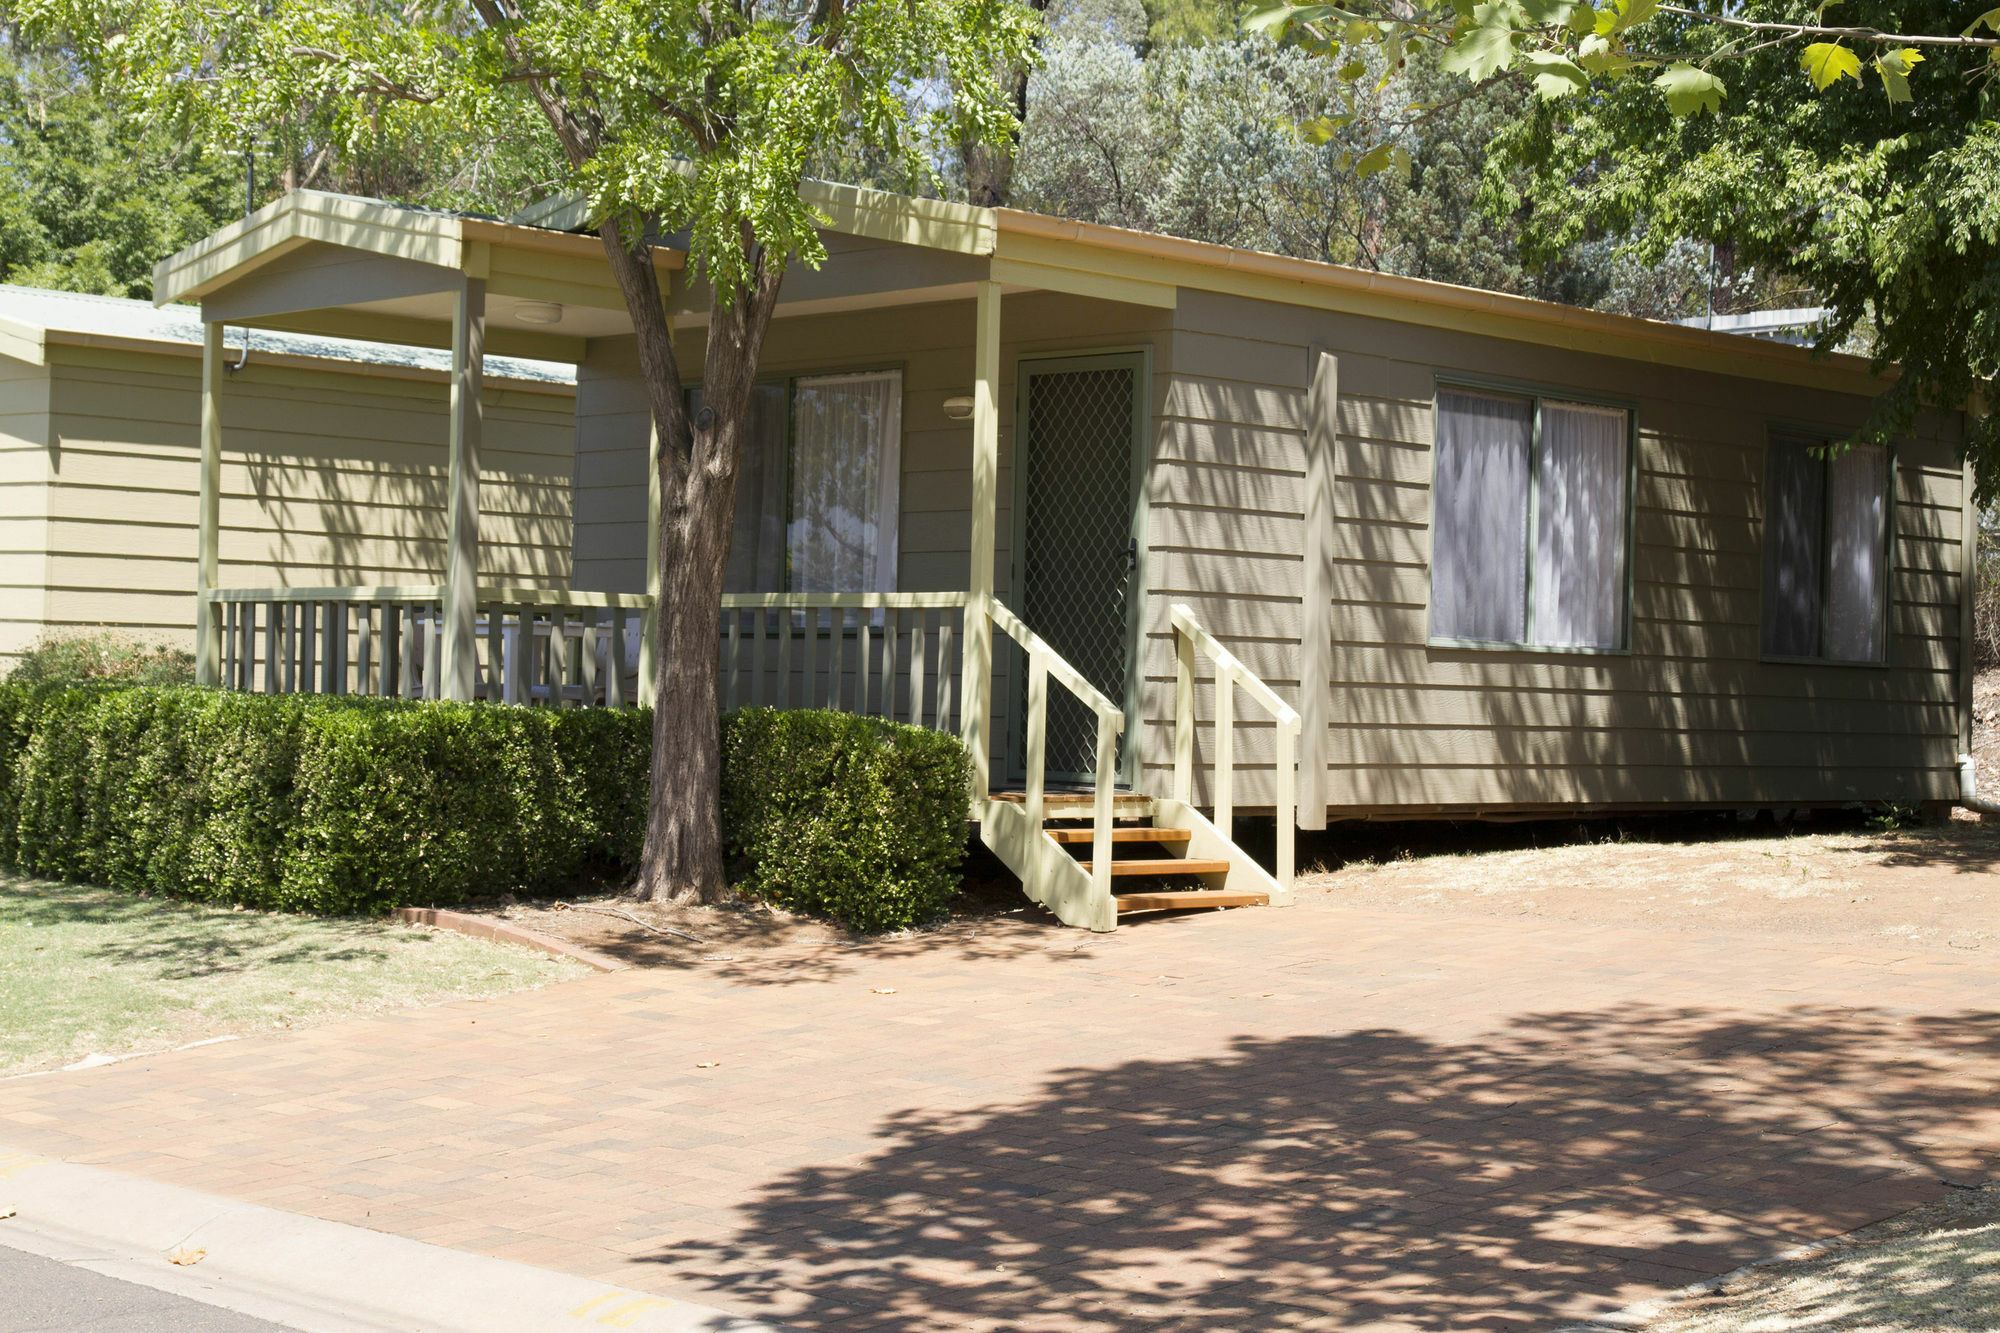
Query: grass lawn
{"x": 88, "y": 971}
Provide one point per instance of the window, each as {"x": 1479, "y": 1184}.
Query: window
{"x": 1528, "y": 528}
{"x": 1826, "y": 545}
{"x": 817, "y": 501}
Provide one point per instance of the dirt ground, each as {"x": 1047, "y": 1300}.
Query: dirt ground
{"x": 1846, "y": 880}
{"x": 1934, "y": 1269}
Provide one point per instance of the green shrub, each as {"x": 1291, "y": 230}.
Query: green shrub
{"x": 103, "y": 657}
{"x": 860, "y": 819}
{"x": 316, "y": 803}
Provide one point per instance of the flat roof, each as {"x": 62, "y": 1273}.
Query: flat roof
{"x": 41, "y": 314}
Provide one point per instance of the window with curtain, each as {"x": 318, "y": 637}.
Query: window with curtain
{"x": 817, "y": 501}
{"x": 1528, "y": 530}
{"x": 1826, "y": 550}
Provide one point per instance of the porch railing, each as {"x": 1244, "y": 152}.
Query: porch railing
{"x": 1189, "y": 639}
{"x": 534, "y": 646}
{"x": 892, "y": 655}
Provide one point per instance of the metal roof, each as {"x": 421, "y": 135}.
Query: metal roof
{"x": 49, "y": 311}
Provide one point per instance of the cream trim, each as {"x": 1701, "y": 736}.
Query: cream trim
{"x": 1143, "y": 256}
{"x": 23, "y": 342}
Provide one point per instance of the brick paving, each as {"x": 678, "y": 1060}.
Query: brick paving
{"x": 1268, "y": 1119}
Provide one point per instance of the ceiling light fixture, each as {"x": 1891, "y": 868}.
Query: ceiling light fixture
{"x": 959, "y": 408}
{"x": 538, "y": 312}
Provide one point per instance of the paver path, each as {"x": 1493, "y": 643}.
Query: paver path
{"x": 1304, "y": 1118}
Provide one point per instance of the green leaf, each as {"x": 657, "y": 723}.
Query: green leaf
{"x": 1690, "y": 91}
{"x": 1826, "y": 63}
{"x": 1555, "y": 76}
{"x": 1353, "y": 70}
{"x": 1321, "y": 128}
{"x": 1486, "y": 47}
{"x": 1583, "y": 19}
{"x": 1273, "y": 20}
{"x": 1989, "y": 20}
{"x": 1894, "y": 69}
{"x": 1631, "y": 13}
{"x": 1374, "y": 160}
{"x": 1596, "y": 54}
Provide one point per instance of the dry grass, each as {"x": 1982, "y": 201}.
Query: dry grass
{"x": 90, "y": 972}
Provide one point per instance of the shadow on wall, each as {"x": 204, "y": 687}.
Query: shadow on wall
{"x": 1556, "y": 1165}
{"x": 387, "y": 524}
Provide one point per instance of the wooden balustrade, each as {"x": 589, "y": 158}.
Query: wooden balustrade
{"x": 887, "y": 655}
{"x": 1230, "y": 675}
{"x": 534, "y": 646}
{"x": 890, "y": 655}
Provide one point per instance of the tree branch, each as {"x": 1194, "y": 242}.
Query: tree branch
{"x": 1875, "y": 35}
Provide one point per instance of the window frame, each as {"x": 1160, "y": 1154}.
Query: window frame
{"x": 789, "y": 379}
{"x": 1885, "y": 581}
{"x": 1538, "y": 393}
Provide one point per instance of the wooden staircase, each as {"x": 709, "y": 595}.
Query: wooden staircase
{"x": 1153, "y": 865}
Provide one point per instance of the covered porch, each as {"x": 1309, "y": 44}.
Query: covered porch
{"x": 927, "y": 640}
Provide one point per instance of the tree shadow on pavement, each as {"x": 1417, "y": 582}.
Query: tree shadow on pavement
{"x": 1558, "y": 1166}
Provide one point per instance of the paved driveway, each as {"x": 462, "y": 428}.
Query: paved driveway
{"x": 1265, "y": 1119}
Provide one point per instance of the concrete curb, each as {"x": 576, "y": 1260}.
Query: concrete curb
{"x": 315, "y": 1276}
{"x": 480, "y": 928}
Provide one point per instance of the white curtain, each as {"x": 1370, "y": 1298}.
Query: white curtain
{"x": 1479, "y": 526}
{"x": 1580, "y": 525}
{"x": 846, "y": 470}
{"x": 1857, "y": 505}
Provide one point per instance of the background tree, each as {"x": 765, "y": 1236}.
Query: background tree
{"x": 1855, "y": 159}
{"x": 695, "y": 118}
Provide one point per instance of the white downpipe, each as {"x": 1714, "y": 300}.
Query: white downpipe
{"x": 1968, "y": 787}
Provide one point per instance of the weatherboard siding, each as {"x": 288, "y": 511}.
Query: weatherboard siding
{"x": 329, "y": 477}
{"x": 1689, "y": 715}
{"x": 24, "y": 504}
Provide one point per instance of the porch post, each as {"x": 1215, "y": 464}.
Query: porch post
{"x": 1316, "y": 605}
{"x": 208, "y": 519}
{"x": 977, "y": 686}
{"x": 461, "y": 570}
{"x": 649, "y": 619}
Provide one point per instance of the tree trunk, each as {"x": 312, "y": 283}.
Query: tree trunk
{"x": 699, "y": 460}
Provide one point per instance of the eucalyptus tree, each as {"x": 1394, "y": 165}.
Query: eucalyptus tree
{"x": 1854, "y": 148}
{"x": 695, "y": 118}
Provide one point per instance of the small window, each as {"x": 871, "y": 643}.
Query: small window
{"x": 1826, "y": 550}
{"x": 817, "y": 501}
{"x": 1528, "y": 530}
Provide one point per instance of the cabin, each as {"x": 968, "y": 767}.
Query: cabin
{"x": 334, "y": 472}
{"x": 1179, "y": 538}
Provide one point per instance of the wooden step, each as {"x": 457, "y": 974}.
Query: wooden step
{"x": 1171, "y": 865}
{"x": 1082, "y": 835}
{"x": 1182, "y": 900}
{"x": 1082, "y": 804}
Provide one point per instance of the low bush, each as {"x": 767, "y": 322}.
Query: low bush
{"x": 315, "y": 803}
{"x": 102, "y": 657}
{"x": 860, "y": 819}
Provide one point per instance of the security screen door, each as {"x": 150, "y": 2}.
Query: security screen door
{"x": 1077, "y": 541}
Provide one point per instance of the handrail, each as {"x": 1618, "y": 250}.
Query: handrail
{"x": 1230, "y": 673}
{"x": 1044, "y": 662}
{"x": 411, "y": 592}
{"x": 904, "y": 601}
{"x": 1068, "y": 676}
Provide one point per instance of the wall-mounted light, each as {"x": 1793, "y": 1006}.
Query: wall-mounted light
{"x": 959, "y": 408}
{"x": 538, "y": 312}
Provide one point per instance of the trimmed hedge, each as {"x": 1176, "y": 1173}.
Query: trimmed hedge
{"x": 333, "y": 804}
{"x": 860, "y": 819}
{"x": 315, "y": 803}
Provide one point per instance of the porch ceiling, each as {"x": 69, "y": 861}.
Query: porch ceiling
{"x": 330, "y": 264}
